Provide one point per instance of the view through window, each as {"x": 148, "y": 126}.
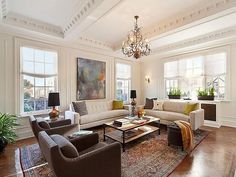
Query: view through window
{"x": 123, "y": 81}
{"x": 39, "y": 78}
{"x": 199, "y": 72}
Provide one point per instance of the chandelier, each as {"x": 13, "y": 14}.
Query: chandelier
{"x": 136, "y": 45}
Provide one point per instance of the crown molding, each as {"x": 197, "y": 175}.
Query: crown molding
{"x": 81, "y": 12}
{"x": 202, "y": 11}
{"x": 3, "y": 8}
{"x": 211, "y": 40}
{"x": 32, "y": 24}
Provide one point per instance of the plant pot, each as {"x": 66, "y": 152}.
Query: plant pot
{"x": 174, "y": 96}
{"x": 206, "y": 98}
{"x": 3, "y": 144}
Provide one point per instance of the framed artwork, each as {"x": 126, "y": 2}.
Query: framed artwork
{"x": 91, "y": 79}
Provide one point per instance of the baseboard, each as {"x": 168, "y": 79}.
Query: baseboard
{"x": 228, "y": 121}
{"x": 211, "y": 124}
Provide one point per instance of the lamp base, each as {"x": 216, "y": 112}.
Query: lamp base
{"x": 54, "y": 113}
{"x": 133, "y": 105}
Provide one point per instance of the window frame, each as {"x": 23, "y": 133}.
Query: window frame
{"x": 38, "y": 46}
{"x": 127, "y": 79}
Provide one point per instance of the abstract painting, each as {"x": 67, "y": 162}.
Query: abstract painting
{"x": 91, "y": 79}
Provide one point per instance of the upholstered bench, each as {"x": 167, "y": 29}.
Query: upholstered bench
{"x": 174, "y": 135}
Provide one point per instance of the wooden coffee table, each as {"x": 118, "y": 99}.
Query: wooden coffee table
{"x": 130, "y": 131}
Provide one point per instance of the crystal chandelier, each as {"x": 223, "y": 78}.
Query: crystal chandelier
{"x": 135, "y": 45}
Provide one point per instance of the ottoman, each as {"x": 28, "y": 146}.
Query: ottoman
{"x": 174, "y": 135}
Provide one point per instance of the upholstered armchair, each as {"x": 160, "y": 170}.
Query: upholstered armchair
{"x": 81, "y": 157}
{"x": 62, "y": 127}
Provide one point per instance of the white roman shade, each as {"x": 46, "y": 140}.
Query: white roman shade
{"x": 215, "y": 64}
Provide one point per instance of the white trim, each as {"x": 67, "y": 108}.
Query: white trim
{"x": 228, "y": 121}
{"x": 211, "y": 124}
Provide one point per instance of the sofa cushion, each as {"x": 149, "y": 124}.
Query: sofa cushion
{"x": 80, "y": 107}
{"x": 66, "y": 147}
{"x": 94, "y": 107}
{"x": 174, "y": 106}
{"x": 167, "y": 115}
{"x": 117, "y": 104}
{"x": 149, "y": 103}
{"x": 103, "y": 115}
{"x": 158, "y": 105}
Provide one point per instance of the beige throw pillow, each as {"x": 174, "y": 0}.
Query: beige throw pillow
{"x": 158, "y": 105}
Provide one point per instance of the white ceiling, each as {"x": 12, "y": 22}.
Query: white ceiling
{"x": 107, "y": 22}
{"x": 114, "y": 26}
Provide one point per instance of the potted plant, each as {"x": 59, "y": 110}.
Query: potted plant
{"x": 206, "y": 94}
{"x": 8, "y": 123}
{"x": 174, "y": 93}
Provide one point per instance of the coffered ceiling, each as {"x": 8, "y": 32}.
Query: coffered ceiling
{"x": 107, "y": 22}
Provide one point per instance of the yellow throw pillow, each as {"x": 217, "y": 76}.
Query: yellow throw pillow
{"x": 189, "y": 107}
{"x": 118, "y": 104}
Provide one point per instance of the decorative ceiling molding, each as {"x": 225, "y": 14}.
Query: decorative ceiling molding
{"x": 218, "y": 35}
{"x": 3, "y": 7}
{"x": 196, "y": 14}
{"x": 81, "y": 13}
{"x": 95, "y": 43}
{"x": 32, "y": 24}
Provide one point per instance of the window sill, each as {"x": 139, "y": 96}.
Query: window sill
{"x": 23, "y": 115}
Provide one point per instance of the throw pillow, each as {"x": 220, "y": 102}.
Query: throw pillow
{"x": 66, "y": 147}
{"x": 149, "y": 103}
{"x": 117, "y": 104}
{"x": 80, "y": 107}
{"x": 189, "y": 107}
{"x": 44, "y": 124}
{"x": 158, "y": 105}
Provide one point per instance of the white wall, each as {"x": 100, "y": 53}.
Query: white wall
{"x": 10, "y": 72}
{"x": 154, "y": 67}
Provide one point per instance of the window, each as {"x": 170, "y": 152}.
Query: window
{"x": 38, "y": 78}
{"x": 123, "y": 81}
{"x": 190, "y": 74}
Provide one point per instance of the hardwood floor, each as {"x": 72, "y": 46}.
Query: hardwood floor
{"x": 214, "y": 157}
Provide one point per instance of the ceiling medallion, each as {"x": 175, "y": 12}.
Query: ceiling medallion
{"x": 136, "y": 45}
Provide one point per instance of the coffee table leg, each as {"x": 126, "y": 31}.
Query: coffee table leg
{"x": 104, "y": 131}
{"x": 159, "y": 126}
{"x": 123, "y": 143}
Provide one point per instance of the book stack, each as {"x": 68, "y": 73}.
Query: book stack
{"x": 120, "y": 122}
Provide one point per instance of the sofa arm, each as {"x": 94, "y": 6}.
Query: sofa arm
{"x": 73, "y": 116}
{"x": 59, "y": 123}
{"x": 196, "y": 118}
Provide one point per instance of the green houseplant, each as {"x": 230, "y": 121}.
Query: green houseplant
{"x": 174, "y": 93}
{"x": 206, "y": 94}
{"x": 8, "y": 123}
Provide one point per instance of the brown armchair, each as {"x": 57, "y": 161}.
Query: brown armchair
{"x": 61, "y": 127}
{"x": 81, "y": 157}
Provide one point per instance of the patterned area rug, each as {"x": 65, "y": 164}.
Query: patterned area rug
{"x": 146, "y": 157}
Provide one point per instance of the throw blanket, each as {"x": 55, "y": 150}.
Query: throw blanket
{"x": 187, "y": 135}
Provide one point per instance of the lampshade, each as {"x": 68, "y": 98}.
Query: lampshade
{"x": 53, "y": 99}
{"x": 133, "y": 94}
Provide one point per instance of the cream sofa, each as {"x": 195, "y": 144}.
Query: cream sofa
{"x": 174, "y": 110}
{"x": 99, "y": 112}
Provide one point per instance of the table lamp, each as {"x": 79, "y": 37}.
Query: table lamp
{"x": 53, "y": 101}
{"x": 133, "y": 102}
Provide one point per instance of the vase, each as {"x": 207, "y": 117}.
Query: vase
{"x": 3, "y": 144}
